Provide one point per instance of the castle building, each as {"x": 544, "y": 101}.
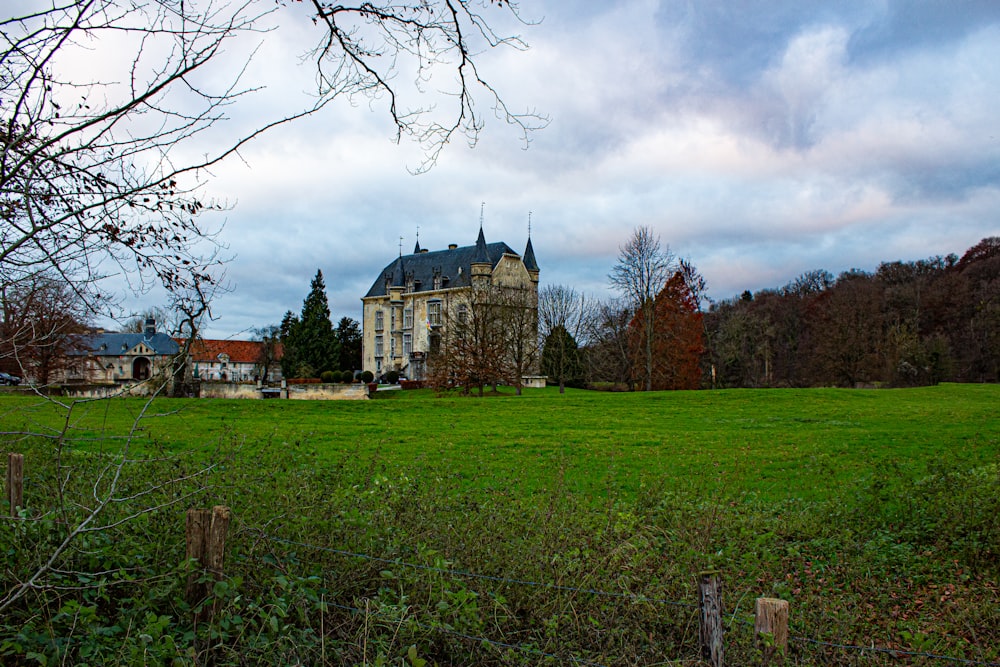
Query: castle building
{"x": 411, "y": 302}
{"x": 120, "y": 358}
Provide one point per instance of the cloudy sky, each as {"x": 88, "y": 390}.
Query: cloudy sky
{"x": 759, "y": 139}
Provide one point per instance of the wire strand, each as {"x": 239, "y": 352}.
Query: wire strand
{"x": 592, "y": 591}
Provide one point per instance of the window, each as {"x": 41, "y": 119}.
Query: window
{"x": 407, "y": 344}
{"x": 379, "y": 320}
{"x": 378, "y": 347}
{"x": 392, "y": 347}
{"x": 437, "y": 281}
{"x": 434, "y": 313}
{"x": 378, "y": 365}
{"x": 435, "y": 343}
{"x": 408, "y": 317}
{"x": 463, "y": 313}
{"x": 392, "y": 319}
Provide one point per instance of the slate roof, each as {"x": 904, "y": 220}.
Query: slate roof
{"x": 425, "y": 265}
{"x": 115, "y": 344}
{"x": 530, "y": 262}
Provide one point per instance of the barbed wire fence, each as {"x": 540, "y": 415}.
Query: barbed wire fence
{"x": 209, "y": 547}
{"x": 734, "y": 620}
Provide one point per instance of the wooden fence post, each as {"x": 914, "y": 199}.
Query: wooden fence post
{"x": 215, "y": 540}
{"x": 206, "y": 542}
{"x": 15, "y": 482}
{"x": 710, "y": 627}
{"x": 771, "y": 627}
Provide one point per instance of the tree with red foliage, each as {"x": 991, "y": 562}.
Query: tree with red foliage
{"x": 678, "y": 339}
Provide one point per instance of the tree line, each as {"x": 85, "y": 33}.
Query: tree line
{"x": 905, "y": 324}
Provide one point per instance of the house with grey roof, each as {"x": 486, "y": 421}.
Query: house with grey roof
{"x": 408, "y": 307}
{"x": 115, "y": 359}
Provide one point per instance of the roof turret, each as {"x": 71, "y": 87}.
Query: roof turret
{"x": 529, "y": 257}
{"x": 482, "y": 256}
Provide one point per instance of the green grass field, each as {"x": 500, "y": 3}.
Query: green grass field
{"x": 875, "y": 513}
{"x": 777, "y": 443}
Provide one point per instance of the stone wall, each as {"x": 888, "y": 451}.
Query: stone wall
{"x": 230, "y": 390}
{"x": 302, "y": 392}
{"x": 328, "y": 392}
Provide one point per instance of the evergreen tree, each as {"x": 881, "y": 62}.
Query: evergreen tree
{"x": 310, "y": 342}
{"x": 561, "y": 360}
{"x": 349, "y": 338}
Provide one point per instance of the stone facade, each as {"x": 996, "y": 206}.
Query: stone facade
{"x": 407, "y": 309}
{"x": 119, "y": 359}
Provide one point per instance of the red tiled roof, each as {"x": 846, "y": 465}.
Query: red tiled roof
{"x": 239, "y": 351}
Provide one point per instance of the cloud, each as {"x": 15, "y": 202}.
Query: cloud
{"x": 759, "y": 139}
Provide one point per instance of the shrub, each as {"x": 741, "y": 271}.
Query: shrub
{"x": 392, "y": 377}
{"x": 347, "y": 377}
{"x": 330, "y": 376}
{"x": 367, "y": 377}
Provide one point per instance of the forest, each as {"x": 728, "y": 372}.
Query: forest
{"x": 907, "y": 323}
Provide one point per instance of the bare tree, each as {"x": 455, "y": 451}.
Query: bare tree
{"x": 111, "y": 118}
{"x": 609, "y": 355}
{"x": 490, "y": 337}
{"x": 642, "y": 270}
{"x": 473, "y": 347}
{"x": 95, "y": 177}
{"x": 519, "y": 319}
{"x": 561, "y": 309}
{"x": 270, "y": 350}
{"x": 41, "y": 315}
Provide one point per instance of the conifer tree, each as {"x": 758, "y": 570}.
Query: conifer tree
{"x": 309, "y": 340}
{"x": 561, "y": 360}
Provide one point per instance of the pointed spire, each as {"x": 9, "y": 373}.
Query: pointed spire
{"x": 529, "y": 252}
{"x": 482, "y": 256}
{"x": 529, "y": 257}
{"x": 416, "y": 248}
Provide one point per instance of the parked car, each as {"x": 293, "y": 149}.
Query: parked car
{"x": 8, "y": 379}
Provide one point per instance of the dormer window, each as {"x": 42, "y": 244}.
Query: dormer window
{"x": 437, "y": 281}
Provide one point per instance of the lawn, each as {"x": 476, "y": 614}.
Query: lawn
{"x": 779, "y": 444}
{"x": 514, "y": 530}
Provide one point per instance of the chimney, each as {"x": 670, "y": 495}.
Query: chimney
{"x": 452, "y": 246}
{"x": 150, "y": 329}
